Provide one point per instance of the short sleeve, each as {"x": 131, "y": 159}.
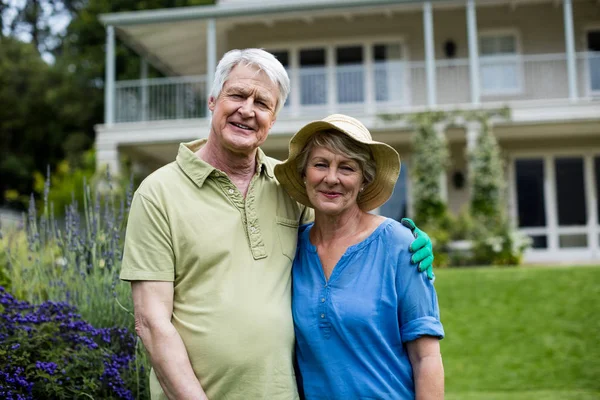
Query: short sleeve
{"x": 418, "y": 310}
{"x": 148, "y": 253}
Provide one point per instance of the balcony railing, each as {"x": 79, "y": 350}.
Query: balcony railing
{"x": 380, "y": 87}
{"x": 160, "y": 99}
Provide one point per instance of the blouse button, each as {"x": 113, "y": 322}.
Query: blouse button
{"x": 322, "y": 315}
{"x": 322, "y": 299}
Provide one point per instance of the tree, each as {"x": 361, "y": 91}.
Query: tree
{"x": 48, "y": 111}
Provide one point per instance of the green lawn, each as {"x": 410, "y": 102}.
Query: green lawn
{"x": 521, "y": 333}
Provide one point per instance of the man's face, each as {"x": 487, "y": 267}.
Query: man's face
{"x": 244, "y": 111}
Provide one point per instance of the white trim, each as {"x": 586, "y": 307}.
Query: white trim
{"x": 570, "y": 49}
{"x": 473, "y": 43}
{"x": 430, "y": 70}
{"x": 591, "y": 200}
{"x": 550, "y": 202}
{"x": 333, "y": 41}
{"x": 330, "y": 65}
{"x": 211, "y": 58}
{"x": 109, "y": 77}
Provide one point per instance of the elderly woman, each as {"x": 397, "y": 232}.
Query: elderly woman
{"x": 367, "y": 323}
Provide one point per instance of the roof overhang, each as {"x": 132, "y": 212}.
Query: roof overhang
{"x": 174, "y": 40}
{"x": 245, "y": 9}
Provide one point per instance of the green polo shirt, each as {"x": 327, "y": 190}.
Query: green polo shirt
{"x": 230, "y": 260}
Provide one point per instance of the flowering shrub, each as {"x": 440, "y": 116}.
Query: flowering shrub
{"x": 502, "y": 244}
{"x": 48, "y": 351}
{"x": 76, "y": 259}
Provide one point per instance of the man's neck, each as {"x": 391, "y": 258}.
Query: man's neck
{"x": 239, "y": 167}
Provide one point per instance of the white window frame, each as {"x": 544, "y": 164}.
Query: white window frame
{"x": 366, "y": 42}
{"x": 517, "y": 59}
{"x": 552, "y": 230}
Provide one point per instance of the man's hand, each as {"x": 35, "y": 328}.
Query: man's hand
{"x": 421, "y": 247}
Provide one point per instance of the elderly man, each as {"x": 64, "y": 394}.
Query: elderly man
{"x": 209, "y": 249}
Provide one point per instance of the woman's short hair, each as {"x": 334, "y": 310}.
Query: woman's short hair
{"x": 339, "y": 143}
{"x": 257, "y": 58}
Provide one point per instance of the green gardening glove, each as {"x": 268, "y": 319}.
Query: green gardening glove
{"x": 421, "y": 247}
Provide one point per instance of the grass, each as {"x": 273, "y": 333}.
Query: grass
{"x": 521, "y": 333}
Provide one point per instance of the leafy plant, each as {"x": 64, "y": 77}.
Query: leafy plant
{"x": 75, "y": 260}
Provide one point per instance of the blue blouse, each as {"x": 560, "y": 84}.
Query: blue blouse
{"x": 351, "y": 330}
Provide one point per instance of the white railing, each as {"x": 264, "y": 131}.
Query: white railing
{"x": 381, "y": 87}
{"x": 160, "y": 99}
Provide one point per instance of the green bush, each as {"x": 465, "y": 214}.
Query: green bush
{"x": 499, "y": 244}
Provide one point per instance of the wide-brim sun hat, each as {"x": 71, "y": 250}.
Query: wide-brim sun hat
{"x": 386, "y": 159}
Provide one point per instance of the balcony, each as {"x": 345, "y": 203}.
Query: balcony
{"x": 380, "y": 87}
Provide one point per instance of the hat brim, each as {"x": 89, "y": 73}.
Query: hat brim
{"x": 386, "y": 159}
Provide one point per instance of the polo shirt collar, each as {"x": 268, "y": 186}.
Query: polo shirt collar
{"x": 198, "y": 170}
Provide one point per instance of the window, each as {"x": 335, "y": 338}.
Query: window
{"x": 313, "y": 77}
{"x": 500, "y": 71}
{"x": 530, "y": 192}
{"x": 389, "y": 72}
{"x": 570, "y": 191}
{"x": 284, "y": 58}
{"x": 593, "y": 46}
{"x": 343, "y": 73}
{"x": 350, "y": 74}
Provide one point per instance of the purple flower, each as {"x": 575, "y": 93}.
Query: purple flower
{"x": 48, "y": 367}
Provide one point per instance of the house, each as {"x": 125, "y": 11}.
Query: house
{"x": 367, "y": 57}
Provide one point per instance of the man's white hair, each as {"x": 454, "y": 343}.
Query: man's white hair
{"x": 257, "y": 58}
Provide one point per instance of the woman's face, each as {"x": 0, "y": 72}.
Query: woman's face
{"x": 333, "y": 181}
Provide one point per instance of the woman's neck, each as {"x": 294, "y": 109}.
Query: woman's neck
{"x": 332, "y": 228}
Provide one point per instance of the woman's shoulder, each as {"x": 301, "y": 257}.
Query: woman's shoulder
{"x": 395, "y": 232}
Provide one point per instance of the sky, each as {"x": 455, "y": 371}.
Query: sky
{"x": 58, "y": 23}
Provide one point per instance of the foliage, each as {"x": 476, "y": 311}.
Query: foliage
{"x": 49, "y": 351}
{"x": 68, "y": 179}
{"x": 486, "y": 169}
{"x": 520, "y": 333}
{"x": 428, "y": 163}
{"x": 50, "y": 110}
{"x": 76, "y": 260}
{"x": 502, "y": 244}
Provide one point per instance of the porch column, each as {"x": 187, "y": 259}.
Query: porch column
{"x": 211, "y": 58}
{"x": 144, "y": 79}
{"x": 473, "y": 52}
{"x": 332, "y": 97}
{"x": 429, "y": 54}
{"x": 109, "y": 79}
{"x": 440, "y": 129}
{"x": 294, "y": 95}
{"x": 570, "y": 48}
{"x": 369, "y": 82}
